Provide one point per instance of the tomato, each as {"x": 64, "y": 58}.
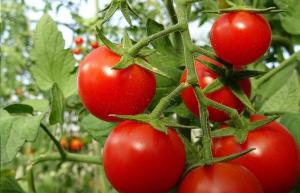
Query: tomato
{"x": 240, "y": 38}
{"x": 220, "y": 178}
{"x": 78, "y": 41}
{"x": 76, "y": 145}
{"x": 139, "y": 159}
{"x": 94, "y": 44}
{"x": 76, "y": 51}
{"x": 105, "y": 91}
{"x": 223, "y": 95}
{"x": 64, "y": 143}
{"x": 275, "y": 160}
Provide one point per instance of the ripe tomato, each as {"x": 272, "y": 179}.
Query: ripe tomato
{"x": 76, "y": 51}
{"x": 240, "y": 38}
{"x": 78, "y": 41}
{"x": 105, "y": 91}
{"x": 94, "y": 44}
{"x": 139, "y": 159}
{"x": 221, "y": 178}
{"x": 76, "y": 145}
{"x": 223, "y": 95}
{"x": 275, "y": 160}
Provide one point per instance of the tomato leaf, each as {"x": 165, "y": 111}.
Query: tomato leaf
{"x": 286, "y": 99}
{"x": 247, "y": 74}
{"x": 19, "y": 108}
{"x": 98, "y": 129}
{"x": 214, "y": 86}
{"x": 257, "y": 124}
{"x": 57, "y": 105}
{"x": 238, "y": 92}
{"x": 41, "y": 105}
{"x": 171, "y": 123}
{"x": 53, "y": 64}
{"x": 125, "y": 11}
{"x": 228, "y": 131}
{"x": 291, "y": 17}
{"x": 15, "y": 131}
{"x": 108, "y": 43}
{"x": 109, "y": 11}
{"x": 9, "y": 184}
{"x": 218, "y": 70}
{"x": 292, "y": 121}
{"x": 142, "y": 63}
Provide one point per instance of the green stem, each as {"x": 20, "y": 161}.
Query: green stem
{"x": 56, "y": 157}
{"x": 172, "y": 14}
{"x": 272, "y": 72}
{"x": 145, "y": 41}
{"x": 248, "y": 9}
{"x": 165, "y": 101}
{"x": 182, "y": 12}
{"x": 56, "y": 143}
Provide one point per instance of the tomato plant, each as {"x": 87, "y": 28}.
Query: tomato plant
{"x": 221, "y": 177}
{"x": 148, "y": 160}
{"x": 100, "y": 86}
{"x": 275, "y": 160}
{"x": 223, "y": 95}
{"x": 94, "y": 44}
{"x": 240, "y": 38}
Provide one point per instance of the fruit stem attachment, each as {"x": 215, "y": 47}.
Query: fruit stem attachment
{"x": 145, "y": 41}
{"x": 165, "y": 101}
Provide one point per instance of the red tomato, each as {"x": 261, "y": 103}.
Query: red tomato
{"x": 240, "y": 38}
{"x": 223, "y": 95}
{"x": 105, "y": 91}
{"x": 64, "y": 143}
{"x": 94, "y": 44}
{"x": 275, "y": 160}
{"x": 220, "y": 178}
{"x": 78, "y": 41}
{"x": 76, "y": 51}
{"x": 76, "y": 145}
{"x": 139, "y": 159}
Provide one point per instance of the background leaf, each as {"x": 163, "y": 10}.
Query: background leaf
{"x": 9, "y": 185}
{"x": 54, "y": 64}
{"x": 57, "y": 105}
{"x": 292, "y": 122}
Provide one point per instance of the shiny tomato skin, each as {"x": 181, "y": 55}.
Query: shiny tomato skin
{"x": 275, "y": 160}
{"x": 240, "y": 38}
{"x": 105, "y": 91}
{"x": 223, "y": 95}
{"x": 78, "y": 41}
{"x": 139, "y": 159}
{"x": 220, "y": 178}
{"x": 76, "y": 51}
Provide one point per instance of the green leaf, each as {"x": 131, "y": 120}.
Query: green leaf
{"x": 125, "y": 11}
{"x": 41, "y": 105}
{"x": 158, "y": 125}
{"x": 238, "y": 92}
{"x": 247, "y": 74}
{"x": 57, "y": 105}
{"x": 214, "y": 86}
{"x": 171, "y": 123}
{"x": 9, "y": 185}
{"x": 97, "y": 128}
{"x": 228, "y": 131}
{"x": 19, "y": 108}
{"x": 292, "y": 121}
{"x": 53, "y": 64}
{"x": 291, "y": 17}
{"x": 15, "y": 131}
{"x": 114, "y": 5}
{"x": 286, "y": 99}
{"x": 108, "y": 43}
{"x": 257, "y": 124}
{"x": 142, "y": 63}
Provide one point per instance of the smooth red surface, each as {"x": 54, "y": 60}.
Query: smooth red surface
{"x": 240, "y": 38}
{"x": 78, "y": 41}
{"x": 220, "y": 178}
{"x": 275, "y": 160}
{"x": 94, "y": 44}
{"x": 139, "y": 159}
{"x": 223, "y": 95}
{"x": 105, "y": 91}
{"x": 76, "y": 51}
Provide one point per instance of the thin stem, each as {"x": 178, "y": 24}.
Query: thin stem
{"x": 165, "y": 101}
{"x": 176, "y": 37}
{"x": 56, "y": 157}
{"x": 56, "y": 143}
{"x": 272, "y": 72}
{"x": 145, "y": 41}
{"x": 182, "y": 12}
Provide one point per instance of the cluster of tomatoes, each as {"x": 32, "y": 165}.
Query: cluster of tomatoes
{"x": 73, "y": 144}
{"x": 140, "y": 159}
{"x": 79, "y": 41}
